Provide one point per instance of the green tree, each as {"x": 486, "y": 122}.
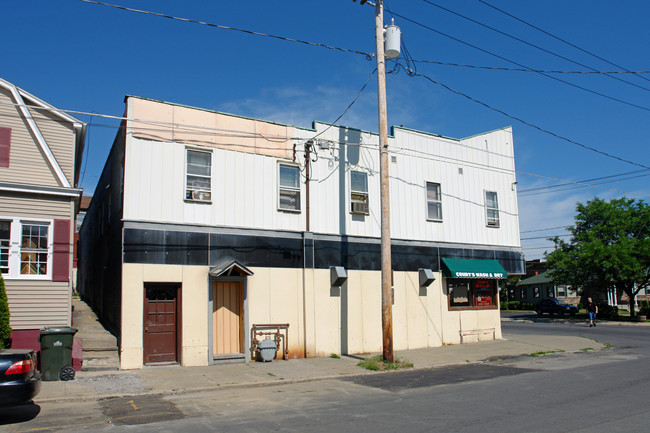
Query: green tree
{"x": 5, "y": 329}
{"x": 609, "y": 247}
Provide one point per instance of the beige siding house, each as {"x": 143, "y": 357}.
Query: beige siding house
{"x": 40, "y": 158}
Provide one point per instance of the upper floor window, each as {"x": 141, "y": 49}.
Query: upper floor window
{"x": 492, "y": 209}
{"x": 289, "y": 187}
{"x": 5, "y": 146}
{"x": 359, "y": 193}
{"x": 434, "y": 202}
{"x": 198, "y": 181}
{"x": 5, "y": 239}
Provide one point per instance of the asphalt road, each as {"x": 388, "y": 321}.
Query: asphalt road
{"x": 604, "y": 391}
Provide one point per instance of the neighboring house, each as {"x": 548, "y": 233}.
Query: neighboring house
{"x": 204, "y": 225}
{"x": 40, "y": 158}
{"x": 84, "y": 202}
{"x": 533, "y": 289}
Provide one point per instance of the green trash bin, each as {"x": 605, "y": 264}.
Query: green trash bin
{"x": 56, "y": 353}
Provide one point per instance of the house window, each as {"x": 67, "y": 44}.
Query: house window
{"x": 5, "y": 238}
{"x": 34, "y": 249}
{"x": 492, "y": 209}
{"x": 549, "y": 292}
{"x": 198, "y": 176}
{"x": 523, "y": 293}
{"x": 476, "y": 294}
{"x": 511, "y": 294}
{"x": 434, "y": 202}
{"x": 359, "y": 193}
{"x": 5, "y": 146}
{"x": 289, "y": 188}
{"x": 536, "y": 292}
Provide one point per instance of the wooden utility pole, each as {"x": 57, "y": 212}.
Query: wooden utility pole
{"x": 386, "y": 298}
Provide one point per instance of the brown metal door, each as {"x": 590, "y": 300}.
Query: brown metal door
{"x": 227, "y": 317}
{"x": 160, "y": 328}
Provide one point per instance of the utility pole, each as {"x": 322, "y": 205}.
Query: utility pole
{"x": 386, "y": 298}
{"x": 386, "y": 269}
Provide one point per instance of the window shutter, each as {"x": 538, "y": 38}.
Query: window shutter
{"x": 61, "y": 251}
{"x": 5, "y": 144}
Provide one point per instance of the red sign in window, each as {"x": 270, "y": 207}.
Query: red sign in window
{"x": 483, "y": 298}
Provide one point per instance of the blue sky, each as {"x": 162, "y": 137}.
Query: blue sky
{"x": 86, "y": 57}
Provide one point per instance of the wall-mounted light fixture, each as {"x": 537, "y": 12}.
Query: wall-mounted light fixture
{"x": 426, "y": 277}
{"x": 338, "y": 276}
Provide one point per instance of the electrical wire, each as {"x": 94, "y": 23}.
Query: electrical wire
{"x": 563, "y": 188}
{"x": 545, "y": 237}
{"x": 495, "y": 68}
{"x": 562, "y": 40}
{"x": 516, "y": 63}
{"x": 588, "y": 180}
{"x": 166, "y": 126}
{"x": 520, "y": 120}
{"x": 348, "y": 107}
{"x": 543, "y": 230}
{"x": 368, "y": 56}
{"x": 528, "y": 43}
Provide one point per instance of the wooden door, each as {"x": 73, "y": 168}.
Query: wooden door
{"x": 227, "y": 317}
{"x": 160, "y": 327}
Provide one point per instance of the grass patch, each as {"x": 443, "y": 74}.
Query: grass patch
{"x": 607, "y": 345}
{"x": 587, "y": 349}
{"x": 536, "y": 354}
{"x": 335, "y": 356}
{"x": 377, "y": 363}
{"x": 271, "y": 374}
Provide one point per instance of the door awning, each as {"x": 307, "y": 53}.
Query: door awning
{"x": 468, "y": 268}
{"x": 230, "y": 268}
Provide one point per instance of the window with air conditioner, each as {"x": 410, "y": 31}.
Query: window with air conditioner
{"x": 288, "y": 188}
{"x": 434, "y": 202}
{"x": 359, "y": 193}
{"x": 491, "y": 209}
{"x": 198, "y": 178}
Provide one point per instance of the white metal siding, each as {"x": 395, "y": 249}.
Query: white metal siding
{"x": 244, "y": 187}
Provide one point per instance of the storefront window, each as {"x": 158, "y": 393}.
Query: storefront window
{"x": 472, "y": 293}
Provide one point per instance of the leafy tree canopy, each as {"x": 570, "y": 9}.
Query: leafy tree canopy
{"x": 609, "y": 247}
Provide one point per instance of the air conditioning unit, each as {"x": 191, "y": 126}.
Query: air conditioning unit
{"x": 493, "y": 222}
{"x": 359, "y": 207}
{"x": 201, "y": 195}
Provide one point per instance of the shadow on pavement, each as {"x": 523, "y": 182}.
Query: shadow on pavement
{"x": 19, "y": 413}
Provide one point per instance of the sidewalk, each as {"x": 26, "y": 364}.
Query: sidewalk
{"x": 176, "y": 379}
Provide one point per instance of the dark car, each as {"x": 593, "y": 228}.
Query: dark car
{"x": 19, "y": 380}
{"x": 553, "y": 306}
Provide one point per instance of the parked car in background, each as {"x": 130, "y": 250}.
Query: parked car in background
{"x": 19, "y": 380}
{"x": 553, "y": 306}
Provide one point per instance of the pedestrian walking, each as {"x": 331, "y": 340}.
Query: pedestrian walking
{"x": 592, "y": 310}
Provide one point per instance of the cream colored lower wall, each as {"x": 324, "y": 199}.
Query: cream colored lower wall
{"x": 322, "y": 319}
{"x": 194, "y": 311}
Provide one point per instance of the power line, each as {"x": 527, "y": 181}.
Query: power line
{"x": 544, "y": 237}
{"x": 251, "y": 32}
{"x": 586, "y": 180}
{"x": 528, "y": 43}
{"x": 159, "y": 126}
{"x": 528, "y": 123}
{"x": 561, "y": 40}
{"x": 516, "y": 63}
{"x": 543, "y": 230}
{"x": 349, "y": 106}
{"x": 495, "y": 68}
{"x": 564, "y": 187}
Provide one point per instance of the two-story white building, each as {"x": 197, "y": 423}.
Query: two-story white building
{"x": 205, "y": 225}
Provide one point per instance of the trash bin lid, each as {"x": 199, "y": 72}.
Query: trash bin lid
{"x": 58, "y": 330}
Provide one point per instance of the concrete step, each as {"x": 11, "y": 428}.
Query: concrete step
{"x": 93, "y": 343}
{"x": 101, "y": 361}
